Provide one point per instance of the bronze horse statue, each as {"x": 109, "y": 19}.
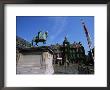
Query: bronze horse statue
{"x": 42, "y": 37}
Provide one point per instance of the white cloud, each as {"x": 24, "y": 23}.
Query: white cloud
{"x": 60, "y": 23}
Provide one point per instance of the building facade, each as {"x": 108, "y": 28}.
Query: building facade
{"x": 68, "y": 53}
{"x": 21, "y": 43}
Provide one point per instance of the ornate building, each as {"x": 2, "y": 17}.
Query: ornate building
{"x": 68, "y": 53}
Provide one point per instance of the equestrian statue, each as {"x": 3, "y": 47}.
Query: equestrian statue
{"x": 41, "y": 37}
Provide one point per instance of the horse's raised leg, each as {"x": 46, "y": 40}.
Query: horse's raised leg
{"x": 36, "y": 43}
{"x": 44, "y": 42}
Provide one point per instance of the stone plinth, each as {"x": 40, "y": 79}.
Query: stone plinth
{"x": 35, "y": 61}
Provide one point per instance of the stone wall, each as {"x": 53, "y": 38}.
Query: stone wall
{"x": 63, "y": 69}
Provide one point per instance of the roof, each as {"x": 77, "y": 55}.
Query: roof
{"x": 65, "y": 39}
{"x": 36, "y": 49}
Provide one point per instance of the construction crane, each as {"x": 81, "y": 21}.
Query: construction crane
{"x": 87, "y": 36}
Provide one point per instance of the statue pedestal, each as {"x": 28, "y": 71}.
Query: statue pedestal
{"x": 35, "y": 61}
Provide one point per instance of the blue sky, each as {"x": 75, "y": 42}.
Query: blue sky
{"x": 57, "y": 26}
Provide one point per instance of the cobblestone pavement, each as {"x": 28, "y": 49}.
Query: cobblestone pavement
{"x": 86, "y": 69}
{"x": 71, "y": 69}
{"x": 58, "y": 69}
{"x": 30, "y": 70}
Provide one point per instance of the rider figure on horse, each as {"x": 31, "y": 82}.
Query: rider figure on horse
{"x": 40, "y": 38}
